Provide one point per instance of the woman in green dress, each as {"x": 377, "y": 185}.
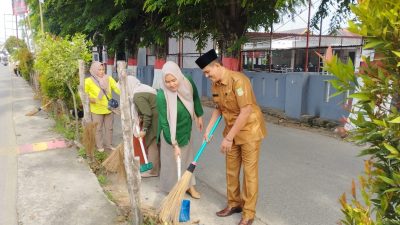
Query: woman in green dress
{"x": 178, "y": 105}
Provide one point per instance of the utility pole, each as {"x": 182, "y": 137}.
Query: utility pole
{"x": 308, "y": 35}
{"x": 16, "y": 25}
{"x": 41, "y": 15}
{"x": 270, "y": 46}
{"x": 319, "y": 43}
{"x": 30, "y": 33}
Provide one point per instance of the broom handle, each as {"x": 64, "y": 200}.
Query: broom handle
{"x": 178, "y": 166}
{"x": 209, "y": 136}
{"x": 47, "y": 104}
{"x": 142, "y": 145}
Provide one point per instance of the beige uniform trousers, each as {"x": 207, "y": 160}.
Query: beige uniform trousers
{"x": 103, "y": 121}
{"x": 247, "y": 155}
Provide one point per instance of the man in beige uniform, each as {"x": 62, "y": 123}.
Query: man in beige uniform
{"x": 243, "y": 133}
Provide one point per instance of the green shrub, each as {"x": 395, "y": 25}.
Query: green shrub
{"x": 25, "y": 58}
{"x": 57, "y": 64}
{"x": 377, "y": 117}
{"x": 13, "y": 43}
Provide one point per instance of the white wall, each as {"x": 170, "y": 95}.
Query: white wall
{"x": 190, "y": 54}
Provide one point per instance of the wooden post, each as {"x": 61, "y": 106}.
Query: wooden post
{"x": 82, "y": 94}
{"x": 131, "y": 164}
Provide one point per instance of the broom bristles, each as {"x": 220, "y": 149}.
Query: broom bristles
{"x": 89, "y": 138}
{"x": 111, "y": 162}
{"x": 33, "y": 112}
{"x": 171, "y": 205}
{"x": 115, "y": 161}
{"x": 121, "y": 168}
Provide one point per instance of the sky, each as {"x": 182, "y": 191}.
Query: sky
{"x": 9, "y": 29}
{"x": 302, "y": 17}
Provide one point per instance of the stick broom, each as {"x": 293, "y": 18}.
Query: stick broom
{"x": 35, "y": 111}
{"x": 147, "y": 165}
{"x": 171, "y": 205}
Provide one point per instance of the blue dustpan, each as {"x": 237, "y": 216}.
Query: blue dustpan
{"x": 184, "y": 215}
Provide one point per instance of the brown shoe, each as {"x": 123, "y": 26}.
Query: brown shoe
{"x": 192, "y": 192}
{"x": 229, "y": 211}
{"x": 246, "y": 221}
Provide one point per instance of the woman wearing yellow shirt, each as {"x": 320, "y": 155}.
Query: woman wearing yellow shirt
{"x": 96, "y": 86}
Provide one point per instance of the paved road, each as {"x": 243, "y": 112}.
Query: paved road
{"x": 8, "y": 159}
{"x": 302, "y": 175}
{"x": 53, "y": 186}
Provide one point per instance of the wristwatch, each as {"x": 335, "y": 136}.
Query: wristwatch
{"x": 145, "y": 130}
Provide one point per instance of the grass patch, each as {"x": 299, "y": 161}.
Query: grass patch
{"x": 102, "y": 180}
{"x": 109, "y": 196}
{"x": 82, "y": 153}
{"x": 63, "y": 127}
{"x": 100, "y": 156}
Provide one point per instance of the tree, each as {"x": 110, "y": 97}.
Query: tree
{"x": 155, "y": 33}
{"x": 13, "y": 43}
{"x": 226, "y": 21}
{"x": 340, "y": 14}
{"x": 376, "y": 88}
{"x": 119, "y": 23}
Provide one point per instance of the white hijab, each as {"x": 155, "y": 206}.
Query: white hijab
{"x": 184, "y": 92}
{"x": 135, "y": 86}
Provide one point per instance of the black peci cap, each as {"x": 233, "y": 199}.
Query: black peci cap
{"x": 206, "y": 58}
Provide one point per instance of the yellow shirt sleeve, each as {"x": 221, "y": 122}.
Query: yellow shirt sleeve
{"x": 114, "y": 86}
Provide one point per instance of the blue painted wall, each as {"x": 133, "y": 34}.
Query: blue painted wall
{"x": 295, "y": 100}
{"x": 318, "y": 102}
{"x": 198, "y": 79}
{"x": 269, "y": 88}
{"x": 294, "y": 93}
{"x": 145, "y": 74}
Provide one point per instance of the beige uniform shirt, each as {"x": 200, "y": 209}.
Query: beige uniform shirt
{"x": 231, "y": 93}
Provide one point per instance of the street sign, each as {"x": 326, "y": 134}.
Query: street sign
{"x": 19, "y": 7}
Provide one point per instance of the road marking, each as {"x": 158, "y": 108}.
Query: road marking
{"x": 41, "y": 146}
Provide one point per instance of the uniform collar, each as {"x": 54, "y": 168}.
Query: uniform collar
{"x": 224, "y": 78}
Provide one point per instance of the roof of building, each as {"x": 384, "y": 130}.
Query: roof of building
{"x": 295, "y": 31}
{"x": 297, "y": 39}
{"x": 301, "y": 32}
